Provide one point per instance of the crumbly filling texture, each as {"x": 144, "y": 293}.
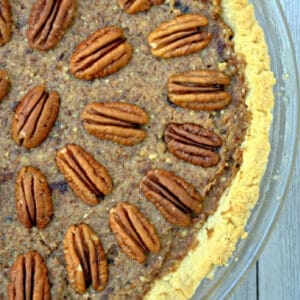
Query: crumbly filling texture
{"x": 143, "y": 82}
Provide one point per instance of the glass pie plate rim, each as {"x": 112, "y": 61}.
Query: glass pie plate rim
{"x": 279, "y": 174}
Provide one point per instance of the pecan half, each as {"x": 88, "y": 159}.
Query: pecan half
{"x": 115, "y": 121}
{"x": 49, "y": 20}
{"x": 5, "y": 22}
{"x": 135, "y": 6}
{"x": 4, "y": 84}
{"x": 175, "y": 198}
{"x": 35, "y": 116}
{"x": 85, "y": 259}
{"x": 88, "y": 179}
{"x": 199, "y": 90}
{"x": 193, "y": 143}
{"x": 180, "y": 36}
{"x": 103, "y": 53}
{"x": 135, "y": 235}
{"x": 33, "y": 198}
{"x": 29, "y": 278}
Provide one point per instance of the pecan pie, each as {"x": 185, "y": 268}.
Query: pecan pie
{"x": 134, "y": 135}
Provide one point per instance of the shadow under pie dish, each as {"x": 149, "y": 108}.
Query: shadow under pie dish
{"x": 231, "y": 134}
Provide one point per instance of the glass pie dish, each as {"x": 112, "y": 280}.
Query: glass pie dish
{"x": 283, "y": 139}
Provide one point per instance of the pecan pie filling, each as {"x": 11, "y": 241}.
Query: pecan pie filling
{"x": 136, "y": 161}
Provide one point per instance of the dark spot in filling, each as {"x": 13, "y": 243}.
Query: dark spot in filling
{"x": 100, "y": 197}
{"x": 60, "y": 56}
{"x": 60, "y": 186}
{"x": 113, "y": 250}
{"x": 21, "y": 23}
{"x": 145, "y": 168}
{"x": 221, "y": 45}
{"x": 111, "y": 261}
{"x": 8, "y": 220}
{"x": 14, "y": 105}
{"x": 28, "y": 51}
{"x": 183, "y": 8}
{"x": 6, "y": 176}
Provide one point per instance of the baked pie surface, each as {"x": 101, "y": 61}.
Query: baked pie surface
{"x": 243, "y": 126}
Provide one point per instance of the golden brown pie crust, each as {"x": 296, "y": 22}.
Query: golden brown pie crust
{"x": 227, "y": 225}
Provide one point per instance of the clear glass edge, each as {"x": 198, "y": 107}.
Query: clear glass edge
{"x": 283, "y": 139}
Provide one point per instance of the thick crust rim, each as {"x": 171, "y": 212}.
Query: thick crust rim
{"x": 229, "y": 221}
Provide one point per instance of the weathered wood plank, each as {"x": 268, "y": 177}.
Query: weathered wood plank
{"x": 279, "y": 265}
{"x": 248, "y": 289}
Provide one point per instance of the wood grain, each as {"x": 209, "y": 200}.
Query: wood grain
{"x": 248, "y": 289}
{"x": 276, "y": 274}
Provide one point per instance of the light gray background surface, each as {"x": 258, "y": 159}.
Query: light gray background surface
{"x": 276, "y": 275}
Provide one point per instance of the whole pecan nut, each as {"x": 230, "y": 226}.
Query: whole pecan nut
{"x": 49, "y": 20}
{"x": 135, "y": 235}
{"x": 35, "y": 116}
{"x": 85, "y": 259}
{"x": 103, "y": 53}
{"x": 180, "y": 36}
{"x": 5, "y": 22}
{"x": 29, "y": 278}
{"x": 116, "y": 121}
{"x": 4, "y": 84}
{"x": 33, "y": 198}
{"x": 193, "y": 143}
{"x": 135, "y": 6}
{"x": 199, "y": 90}
{"x": 175, "y": 198}
{"x": 88, "y": 179}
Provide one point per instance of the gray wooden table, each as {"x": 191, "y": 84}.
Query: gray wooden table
{"x": 276, "y": 275}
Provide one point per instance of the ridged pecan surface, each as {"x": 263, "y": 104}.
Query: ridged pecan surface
{"x": 88, "y": 179}
{"x": 175, "y": 198}
{"x": 193, "y": 143}
{"x": 180, "y": 36}
{"x": 4, "y": 84}
{"x": 116, "y": 121}
{"x": 29, "y": 278}
{"x": 33, "y": 198}
{"x": 199, "y": 90}
{"x": 85, "y": 259}
{"x": 135, "y": 6}
{"x": 136, "y": 236}
{"x": 5, "y": 22}
{"x": 49, "y": 20}
{"x": 102, "y": 53}
{"x": 35, "y": 116}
